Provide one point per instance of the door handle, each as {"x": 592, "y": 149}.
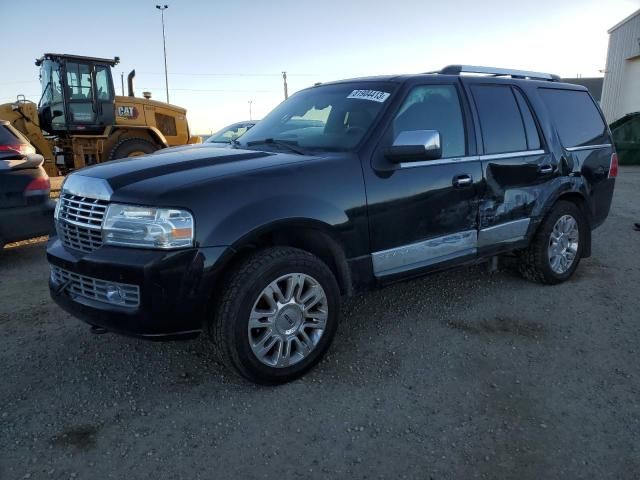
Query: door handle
{"x": 546, "y": 169}
{"x": 462, "y": 180}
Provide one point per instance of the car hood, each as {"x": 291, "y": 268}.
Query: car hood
{"x": 197, "y": 146}
{"x": 152, "y": 178}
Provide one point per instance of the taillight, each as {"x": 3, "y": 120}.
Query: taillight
{"x": 21, "y": 148}
{"x": 38, "y": 186}
{"x": 613, "y": 166}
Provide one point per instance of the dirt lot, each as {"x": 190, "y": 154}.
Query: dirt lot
{"x": 459, "y": 375}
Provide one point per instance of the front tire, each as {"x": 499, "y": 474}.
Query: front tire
{"x": 277, "y": 316}
{"x": 556, "y": 248}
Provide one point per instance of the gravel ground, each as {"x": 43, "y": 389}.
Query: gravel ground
{"x": 459, "y": 375}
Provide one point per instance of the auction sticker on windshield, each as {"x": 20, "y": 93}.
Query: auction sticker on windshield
{"x": 373, "y": 95}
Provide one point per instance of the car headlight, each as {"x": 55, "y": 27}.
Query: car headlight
{"x": 147, "y": 227}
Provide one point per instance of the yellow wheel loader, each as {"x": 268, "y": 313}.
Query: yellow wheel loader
{"x": 80, "y": 121}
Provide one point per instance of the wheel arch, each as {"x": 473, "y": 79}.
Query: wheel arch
{"x": 313, "y": 236}
{"x": 116, "y": 134}
{"x": 579, "y": 198}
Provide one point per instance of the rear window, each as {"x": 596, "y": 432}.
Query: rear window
{"x": 10, "y": 136}
{"x": 576, "y": 117}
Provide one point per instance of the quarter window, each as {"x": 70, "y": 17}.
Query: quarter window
{"x": 434, "y": 107}
{"x": 576, "y": 117}
{"x": 501, "y": 123}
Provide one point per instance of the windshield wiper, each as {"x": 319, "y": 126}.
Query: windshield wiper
{"x": 289, "y": 145}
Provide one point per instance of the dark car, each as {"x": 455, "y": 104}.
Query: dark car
{"x": 225, "y": 136}
{"x": 344, "y": 187}
{"x": 25, "y": 208}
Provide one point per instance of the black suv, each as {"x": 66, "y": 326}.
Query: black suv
{"x": 345, "y": 186}
{"x": 25, "y": 208}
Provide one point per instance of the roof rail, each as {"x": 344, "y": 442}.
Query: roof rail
{"x": 458, "y": 69}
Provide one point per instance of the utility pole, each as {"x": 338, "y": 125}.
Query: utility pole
{"x": 164, "y": 46}
{"x": 286, "y": 89}
{"x": 250, "y": 103}
{"x": 122, "y": 82}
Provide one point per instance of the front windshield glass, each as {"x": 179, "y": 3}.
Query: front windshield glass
{"x": 330, "y": 117}
{"x": 227, "y": 134}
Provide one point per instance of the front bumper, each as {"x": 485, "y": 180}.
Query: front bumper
{"x": 175, "y": 288}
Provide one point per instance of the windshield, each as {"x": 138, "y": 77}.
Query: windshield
{"x": 229, "y": 133}
{"x": 331, "y": 117}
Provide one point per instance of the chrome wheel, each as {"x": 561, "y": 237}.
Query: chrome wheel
{"x": 563, "y": 244}
{"x": 288, "y": 320}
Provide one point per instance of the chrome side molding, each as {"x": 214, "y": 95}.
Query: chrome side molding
{"x": 447, "y": 247}
{"x": 425, "y": 253}
{"x": 504, "y": 232}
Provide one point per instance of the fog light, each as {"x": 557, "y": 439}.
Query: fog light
{"x": 115, "y": 294}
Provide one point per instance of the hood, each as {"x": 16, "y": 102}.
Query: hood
{"x": 149, "y": 178}
{"x": 181, "y": 148}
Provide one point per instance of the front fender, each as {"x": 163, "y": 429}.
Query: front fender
{"x": 261, "y": 215}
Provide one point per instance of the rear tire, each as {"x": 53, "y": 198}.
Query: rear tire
{"x": 556, "y": 248}
{"x": 269, "y": 288}
{"x": 131, "y": 147}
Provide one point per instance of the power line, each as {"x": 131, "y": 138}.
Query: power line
{"x": 209, "y": 90}
{"x": 235, "y": 74}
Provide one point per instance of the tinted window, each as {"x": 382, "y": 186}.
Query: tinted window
{"x": 500, "y": 119}
{"x": 434, "y": 107}
{"x": 10, "y": 136}
{"x": 533, "y": 139}
{"x": 575, "y": 116}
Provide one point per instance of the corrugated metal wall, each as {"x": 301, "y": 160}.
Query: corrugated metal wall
{"x": 623, "y": 45}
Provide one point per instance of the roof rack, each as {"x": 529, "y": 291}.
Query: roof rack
{"x": 498, "y": 72}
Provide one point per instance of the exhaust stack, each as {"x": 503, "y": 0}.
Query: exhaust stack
{"x": 132, "y": 74}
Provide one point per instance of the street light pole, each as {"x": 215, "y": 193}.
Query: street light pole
{"x": 162, "y": 8}
{"x": 250, "y": 103}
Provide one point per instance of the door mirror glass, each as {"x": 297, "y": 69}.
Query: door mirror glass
{"x": 415, "y": 145}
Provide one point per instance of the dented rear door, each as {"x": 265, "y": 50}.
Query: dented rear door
{"x": 517, "y": 166}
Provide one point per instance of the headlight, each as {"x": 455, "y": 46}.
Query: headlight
{"x": 147, "y": 227}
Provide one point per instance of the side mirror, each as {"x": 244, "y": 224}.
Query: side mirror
{"x": 414, "y": 146}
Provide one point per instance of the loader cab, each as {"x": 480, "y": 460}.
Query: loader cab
{"x": 77, "y": 94}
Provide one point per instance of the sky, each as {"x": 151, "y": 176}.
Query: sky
{"x": 222, "y": 54}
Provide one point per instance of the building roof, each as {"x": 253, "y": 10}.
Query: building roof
{"x": 593, "y": 84}
{"x": 622, "y": 22}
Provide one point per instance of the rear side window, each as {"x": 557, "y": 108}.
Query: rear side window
{"x": 576, "y": 117}
{"x": 9, "y": 136}
{"x": 500, "y": 120}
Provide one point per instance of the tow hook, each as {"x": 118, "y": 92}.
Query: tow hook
{"x": 98, "y": 330}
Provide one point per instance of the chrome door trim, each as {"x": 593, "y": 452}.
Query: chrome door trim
{"x": 524, "y": 153}
{"x": 504, "y": 232}
{"x": 441, "y": 161}
{"x": 588, "y": 147}
{"x": 425, "y": 253}
{"x": 471, "y": 158}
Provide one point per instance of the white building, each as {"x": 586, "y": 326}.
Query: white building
{"x": 621, "y": 90}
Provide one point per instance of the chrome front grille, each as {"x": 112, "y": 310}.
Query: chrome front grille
{"x": 112, "y": 293}
{"x": 79, "y": 222}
